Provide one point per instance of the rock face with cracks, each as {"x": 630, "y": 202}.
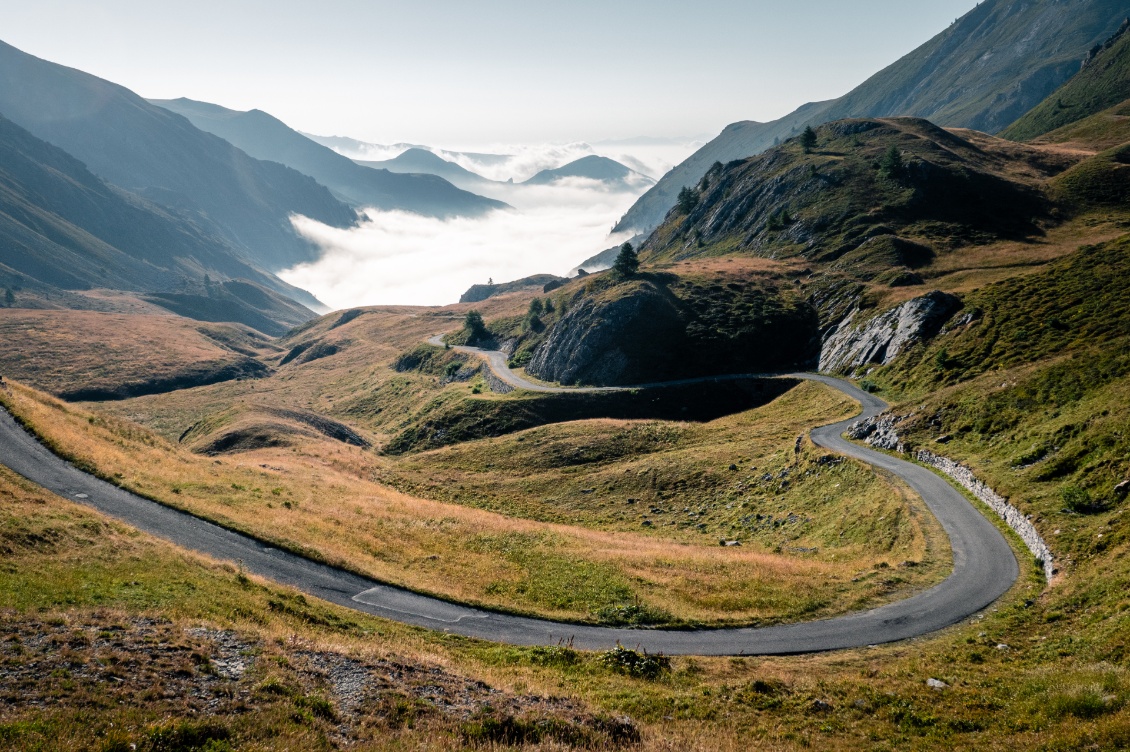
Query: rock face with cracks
{"x": 856, "y": 343}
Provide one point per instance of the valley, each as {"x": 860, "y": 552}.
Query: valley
{"x": 824, "y": 443}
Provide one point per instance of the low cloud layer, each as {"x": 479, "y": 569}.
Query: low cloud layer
{"x": 402, "y": 258}
{"x": 518, "y": 162}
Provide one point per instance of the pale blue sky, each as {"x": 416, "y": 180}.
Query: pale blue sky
{"x": 495, "y": 71}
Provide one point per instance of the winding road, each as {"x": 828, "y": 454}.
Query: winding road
{"x": 984, "y": 567}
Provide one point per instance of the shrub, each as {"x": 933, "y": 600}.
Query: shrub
{"x": 635, "y": 664}
{"x": 1078, "y": 500}
{"x": 475, "y": 327}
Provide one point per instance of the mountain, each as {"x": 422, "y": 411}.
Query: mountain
{"x": 602, "y": 169}
{"x": 266, "y": 137}
{"x": 160, "y": 155}
{"x": 1103, "y": 83}
{"x": 987, "y": 69}
{"x": 64, "y": 229}
{"x": 421, "y": 161}
{"x": 346, "y": 145}
{"x": 848, "y": 204}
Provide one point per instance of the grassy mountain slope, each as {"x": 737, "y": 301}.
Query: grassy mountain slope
{"x": 476, "y": 293}
{"x": 151, "y": 151}
{"x": 1103, "y": 83}
{"x": 86, "y": 355}
{"x": 1103, "y": 130}
{"x": 843, "y": 207}
{"x": 63, "y": 228}
{"x": 983, "y": 72}
{"x": 266, "y": 137}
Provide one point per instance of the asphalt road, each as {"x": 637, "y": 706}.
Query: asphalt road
{"x": 984, "y": 565}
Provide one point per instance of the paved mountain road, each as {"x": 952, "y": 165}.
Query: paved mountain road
{"x": 984, "y": 565}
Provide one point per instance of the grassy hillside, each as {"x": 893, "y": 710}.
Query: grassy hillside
{"x": 317, "y": 494}
{"x": 83, "y": 355}
{"x": 986, "y": 70}
{"x": 877, "y": 202}
{"x": 1103, "y": 83}
{"x": 602, "y": 329}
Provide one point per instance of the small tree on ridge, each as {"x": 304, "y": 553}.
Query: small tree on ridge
{"x": 627, "y": 262}
{"x": 808, "y": 139}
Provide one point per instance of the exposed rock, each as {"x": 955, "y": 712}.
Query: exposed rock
{"x": 1121, "y": 490}
{"x": 1010, "y": 514}
{"x": 660, "y": 327}
{"x": 878, "y": 432}
{"x": 879, "y": 340}
{"x": 937, "y": 684}
{"x": 600, "y": 342}
{"x": 881, "y": 432}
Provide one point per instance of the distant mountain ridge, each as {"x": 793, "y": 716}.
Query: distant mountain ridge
{"x": 986, "y": 70}
{"x": 64, "y": 229}
{"x": 421, "y": 160}
{"x": 264, "y": 136}
{"x": 153, "y": 152}
{"x": 593, "y": 167}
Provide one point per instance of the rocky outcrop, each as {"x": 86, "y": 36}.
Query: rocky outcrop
{"x": 611, "y": 341}
{"x": 857, "y": 343}
{"x": 879, "y": 432}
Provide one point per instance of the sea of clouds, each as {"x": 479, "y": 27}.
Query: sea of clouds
{"x": 398, "y": 258}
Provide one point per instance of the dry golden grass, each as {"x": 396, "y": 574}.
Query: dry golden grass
{"x": 318, "y": 497}
{"x": 63, "y": 351}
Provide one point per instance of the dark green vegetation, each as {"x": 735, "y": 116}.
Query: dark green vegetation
{"x": 455, "y": 419}
{"x": 159, "y": 155}
{"x": 985, "y": 71}
{"x": 1103, "y": 83}
{"x": 603, "y": 329}
{"x": 1100, "y": 181}
{"x": 627, "y": 261}
{"x": 266, "y": 137}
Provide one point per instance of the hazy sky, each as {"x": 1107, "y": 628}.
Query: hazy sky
{"x": 460, "y": 73}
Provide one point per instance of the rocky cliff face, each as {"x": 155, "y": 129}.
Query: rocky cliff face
{"x": 610, "y": 341}
{"x": 859, "y": 341}
{"x": 661, "y": 327}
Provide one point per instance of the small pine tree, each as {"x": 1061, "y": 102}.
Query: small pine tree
{"x": 627, "y": 262}
{"x": 475, "y": 327}
{"x": 9, "y": 297}
{"x": 536, "y": 307}
{"x": 891, "y": 165}
{"x": 548, "y": 305}
{"x": 688, "y": 200}
{"x": 808, "y": 139}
